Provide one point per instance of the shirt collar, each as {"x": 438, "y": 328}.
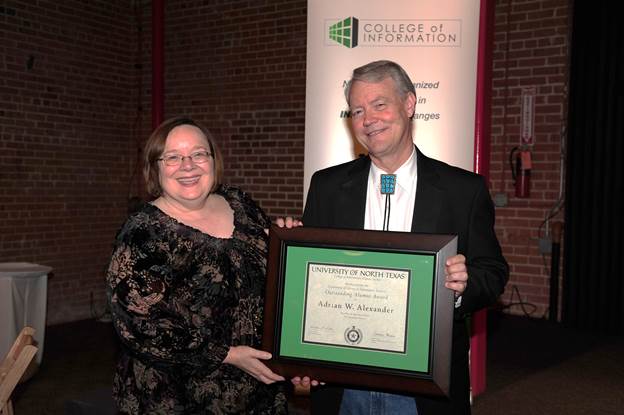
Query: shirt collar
{"x": 405, "y": 175}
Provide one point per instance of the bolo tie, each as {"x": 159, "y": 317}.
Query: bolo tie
{"x": 388, "y": 185}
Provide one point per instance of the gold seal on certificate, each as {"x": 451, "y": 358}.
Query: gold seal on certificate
{"x": 353, "y": 335}
{"x": 371, "y": 303}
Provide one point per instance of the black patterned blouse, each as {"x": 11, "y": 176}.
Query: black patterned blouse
{"x": 180, "y": 298}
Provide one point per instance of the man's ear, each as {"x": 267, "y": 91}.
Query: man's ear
{"x": 410, "y": 104}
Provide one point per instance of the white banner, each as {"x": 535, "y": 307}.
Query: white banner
{"x": 435, "y": 41}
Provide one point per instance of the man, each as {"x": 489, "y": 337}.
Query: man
{"x": 430, "y": 197}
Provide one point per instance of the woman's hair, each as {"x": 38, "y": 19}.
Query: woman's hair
{"x": 378, "y": 71}
{"x": 155, "y": 146}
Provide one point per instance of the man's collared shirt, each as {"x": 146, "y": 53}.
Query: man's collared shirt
{"x": 401, "y": 202}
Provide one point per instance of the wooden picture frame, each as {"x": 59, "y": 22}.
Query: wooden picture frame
{"x": 361, "y": 308}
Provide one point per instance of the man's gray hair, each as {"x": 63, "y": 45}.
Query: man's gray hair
{"x": 378, "y": 71}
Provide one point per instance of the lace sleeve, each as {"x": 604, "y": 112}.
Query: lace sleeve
{"x": 153, "y": 322}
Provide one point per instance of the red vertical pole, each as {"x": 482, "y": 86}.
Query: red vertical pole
{"x": 478, "y": 339}
{"x": 158, "y": 62}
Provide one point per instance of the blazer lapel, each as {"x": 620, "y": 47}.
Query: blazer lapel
{"x": 353, "y": 195}
{"x": 428, "y": 196}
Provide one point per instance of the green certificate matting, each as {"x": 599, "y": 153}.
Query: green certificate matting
{"x": 418, "y": 336}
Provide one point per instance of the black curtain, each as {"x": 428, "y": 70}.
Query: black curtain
{"x": 593, "y": 278}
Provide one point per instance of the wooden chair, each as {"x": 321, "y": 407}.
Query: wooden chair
{"x": 13, "y": 367}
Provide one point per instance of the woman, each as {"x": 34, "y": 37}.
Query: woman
{"x": 186, "y": 284}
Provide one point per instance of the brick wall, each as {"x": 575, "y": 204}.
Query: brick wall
{"x": 530, "y": 50}
{"x": 239, "y": 66}
{"x": 65, "y": 117}
{"x": 75, "y": 109}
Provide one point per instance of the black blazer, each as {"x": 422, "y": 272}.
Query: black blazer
{"x": 449, "y": 200}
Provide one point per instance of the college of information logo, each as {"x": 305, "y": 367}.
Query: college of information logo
{"x": 352, "y": 32}
{"x": 345, "y": 32}
{"x": 353, "y": 335}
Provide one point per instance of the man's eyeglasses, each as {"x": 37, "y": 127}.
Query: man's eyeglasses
{"x": 198, "y": 157}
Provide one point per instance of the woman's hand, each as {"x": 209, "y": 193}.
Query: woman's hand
{"x": 249, "y": 359}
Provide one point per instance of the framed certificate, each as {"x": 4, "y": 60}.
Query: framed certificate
{"x": 361, "y": 308}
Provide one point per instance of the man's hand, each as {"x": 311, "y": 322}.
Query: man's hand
{"x": 288, "y": 222}
{"x": 305, "y": 382}
{"x": 456, "y": 274}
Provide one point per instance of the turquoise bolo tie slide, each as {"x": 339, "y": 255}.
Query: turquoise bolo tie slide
{"x": 388, "y": 184}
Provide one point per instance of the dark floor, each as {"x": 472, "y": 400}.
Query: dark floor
{"x": 534, "y": 367}
{"x": 538, "y": 367}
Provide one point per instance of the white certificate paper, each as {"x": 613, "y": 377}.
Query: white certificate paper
{"x": 354, "y": 306}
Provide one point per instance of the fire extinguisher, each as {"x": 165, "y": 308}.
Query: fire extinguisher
{"x": 520, "y": 163}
